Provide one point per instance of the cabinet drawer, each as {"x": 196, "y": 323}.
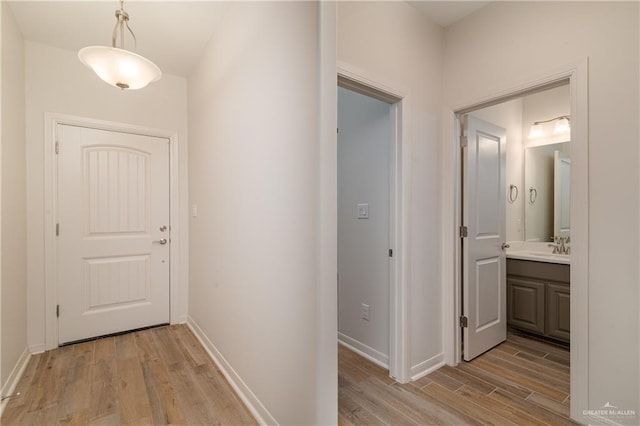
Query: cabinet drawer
{"x": 525, "y": 301}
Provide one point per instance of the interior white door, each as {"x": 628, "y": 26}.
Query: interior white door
{"x": 561, "y": 194}
{"x": 484, "y": 260}
{"x": 113, "y": 242}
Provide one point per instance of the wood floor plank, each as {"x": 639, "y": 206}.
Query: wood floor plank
{"x": 467, "y": 379}
{"x": 535, "y": 410}
{"x": 505, "y": 410}
{"x": 545, "y": 363}
{"x": 349, "y": 369}
{"x": 554, "y": 379}
{"x": 459, "y": 403}
{"x": 353, "y": 413}
{"x": 403, "y": 400}
{"x": 558, "y": 359}
{"x": 74, "y": 403}
{"x": 421, "y": 382}
{"x": 507, "y": 348}
{"x": 343, "y": 421}
{"x": 191, "y": 347}
{"x": 378, "y": 408}
{"x": 536, "y": 344}
{"x": 437, "y": 408}
{"x": 23, "y": 401}
{"x": 152, "y": 377}
{"x": 104, "y": 384}
{"x": 493, "y": 389}
{"x": 495, "y": 379}
{"x": 445, "y": 380}
{"x": 163, "y": 401}
{"x": 365, "y": 365}
{"x": 549, "y": 404}
{"x": 521, "y": 379}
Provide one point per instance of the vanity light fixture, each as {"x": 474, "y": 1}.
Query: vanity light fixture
{"x": 562, "y": 126}
{"x": 116, "y": 65}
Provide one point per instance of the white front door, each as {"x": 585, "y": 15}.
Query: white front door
{"x": 484, "y": 260}
{"x": 113, "y": 242}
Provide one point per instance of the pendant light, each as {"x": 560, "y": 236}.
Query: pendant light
{"x": 117, "y": 66}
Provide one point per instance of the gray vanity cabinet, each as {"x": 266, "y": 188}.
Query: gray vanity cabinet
{"x": 525, "y": 304}
{"x": 557, "y": 315}
{"x": 538, "y": 296}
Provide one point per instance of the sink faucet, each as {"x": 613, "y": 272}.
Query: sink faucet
{"x": 561, "y": 245}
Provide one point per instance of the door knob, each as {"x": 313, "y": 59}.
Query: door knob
{"x": 161, "y": 241}
{"x": 504, "y": 246}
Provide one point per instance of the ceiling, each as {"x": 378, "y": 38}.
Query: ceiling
{"x": 445, "y": 13}
{"x": 171, "y": 33}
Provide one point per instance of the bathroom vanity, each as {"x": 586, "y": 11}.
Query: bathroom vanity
{"x": 538, "y": 293}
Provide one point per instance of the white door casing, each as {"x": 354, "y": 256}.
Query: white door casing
{"x": 113, "y": 203}
{"x": 484, "y": 258}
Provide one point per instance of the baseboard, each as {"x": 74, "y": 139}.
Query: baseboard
{"x": 12, "y": 381}
{"x": 427, "y": 366}
{"x": 252, "y": 402}
{"x": 37, "y": 349}
{"x": 363, "y": 350}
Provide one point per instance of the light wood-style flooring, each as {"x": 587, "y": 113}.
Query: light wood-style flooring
{"x": 157, "y": 376}
{"x": 520, "y": 382}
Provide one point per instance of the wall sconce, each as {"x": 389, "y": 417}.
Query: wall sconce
{"x": 562, "y": 126}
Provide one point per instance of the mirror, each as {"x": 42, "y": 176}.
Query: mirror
{"x": 546, "y": 194}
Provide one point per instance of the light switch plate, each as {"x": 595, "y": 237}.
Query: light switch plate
{"x": 363, "y": 211}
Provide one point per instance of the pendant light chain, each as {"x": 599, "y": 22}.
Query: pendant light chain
{"x": 122, "y": 20}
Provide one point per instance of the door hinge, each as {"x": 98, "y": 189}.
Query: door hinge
{"x": 464, "y": 321}
{"x": 463, "y": 141}
{"x": 390, "y": 252}
{"x": 57, "y": 229}
{"x": 57, "y": 147}
{"x": 57, "y": 311}
{"x": 464, "y": 232}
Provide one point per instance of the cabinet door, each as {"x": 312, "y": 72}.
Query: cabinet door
{"x": 525, "y": 301}
{"x": 558, "y": 311}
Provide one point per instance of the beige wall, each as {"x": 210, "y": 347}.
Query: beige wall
{"x": 507, "y": 41}
{"x": 394, "y": 44}
{"x": 13, "y": 230}
{"x": 254, "y": 176}
{"x": 57, "y": 82}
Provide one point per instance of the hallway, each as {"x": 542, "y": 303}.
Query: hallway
{"x": 522, "y": 381}
{"x": 155, "y": 376}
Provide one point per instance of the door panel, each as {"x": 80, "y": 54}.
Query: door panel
{"x": 484, "y": 260}
{"x": 113, "y": 212}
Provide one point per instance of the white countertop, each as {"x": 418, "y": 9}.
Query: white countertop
{"x": 538, "y": 252}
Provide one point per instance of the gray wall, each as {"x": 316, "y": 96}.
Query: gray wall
{"x": 363, "y": 261}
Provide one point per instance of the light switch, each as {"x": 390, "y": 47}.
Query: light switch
{"x": 363, "y": 211}
{"x": 194, "y": 210}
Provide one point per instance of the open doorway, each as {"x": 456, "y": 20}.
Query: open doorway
{"x": 371, "y": 299}
{"x": 364, "y": 149}
{"x": 515, "y": 242}
{"x": 516, "y": 220}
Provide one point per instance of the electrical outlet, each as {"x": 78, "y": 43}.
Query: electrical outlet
{"x": 364, "y": 311}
